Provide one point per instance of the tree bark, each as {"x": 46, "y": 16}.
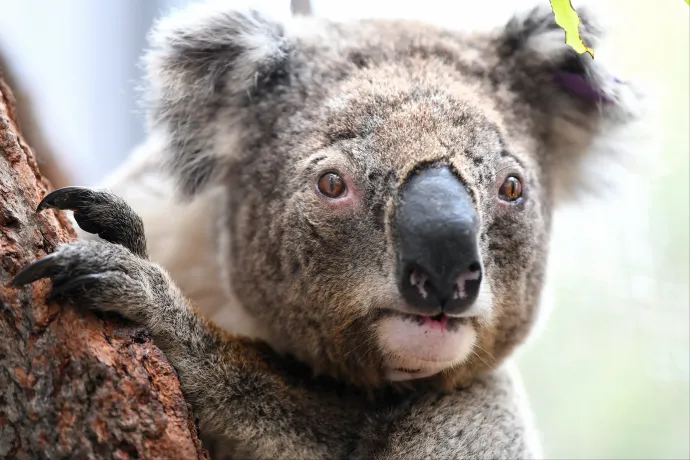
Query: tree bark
{"x": 72, "y": 384}
{"x": 27, "y": 121}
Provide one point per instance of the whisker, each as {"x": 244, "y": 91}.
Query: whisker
{"x": 366, "y": 342}
{"x": 492, "y": 356}
{"x": 480, "y": 358}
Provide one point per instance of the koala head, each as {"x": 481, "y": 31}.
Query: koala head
{"x": 390, "y": 184}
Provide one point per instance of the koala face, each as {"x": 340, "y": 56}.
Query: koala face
{"x": 390, "y": 184}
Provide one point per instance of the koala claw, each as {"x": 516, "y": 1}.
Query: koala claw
{"x": 66, "y": 198}
{"x": 102, "y": 276}
{"x": 47, "y": 267}
{"x": 41, "y": 268}
{"x": 101, "y": 213}
{"x": 78, "y": 281}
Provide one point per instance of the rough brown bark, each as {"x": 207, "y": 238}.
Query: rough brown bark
{"x": 72, "y": 384}
{"x": 25, "y": 118}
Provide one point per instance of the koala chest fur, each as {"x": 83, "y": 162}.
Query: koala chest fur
{"x": 372, "y": 200}
{"x": 185, "y": 237}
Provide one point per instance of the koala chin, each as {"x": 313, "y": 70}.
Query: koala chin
{"x": 370, "y": 200}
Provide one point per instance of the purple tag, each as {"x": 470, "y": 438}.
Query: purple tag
{"x": 575, "y": 84}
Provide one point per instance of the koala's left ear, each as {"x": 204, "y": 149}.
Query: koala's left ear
{"x": 202, "y": 54}
{"x": 574, "y": 105}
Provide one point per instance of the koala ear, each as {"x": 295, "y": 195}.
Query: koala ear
{"x": 577, "y": 108}
{"x": 202, "y": 54}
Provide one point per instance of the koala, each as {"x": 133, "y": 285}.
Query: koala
{"x": 360, "y": 213}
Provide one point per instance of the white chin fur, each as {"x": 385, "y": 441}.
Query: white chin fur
{"x": 426, "y": 350}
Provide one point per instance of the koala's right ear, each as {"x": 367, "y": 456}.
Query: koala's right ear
{"x": 203, "y": 53}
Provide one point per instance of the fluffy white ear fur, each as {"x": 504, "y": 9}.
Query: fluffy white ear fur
{"x": 195, "y": 44}
{"x": 209, "y": 50}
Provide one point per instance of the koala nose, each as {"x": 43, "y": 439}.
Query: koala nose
{"x": 435, "y": 226}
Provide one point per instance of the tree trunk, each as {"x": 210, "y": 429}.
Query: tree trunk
{"x": 25, "y": 118}
{"x": 72, "y": 384}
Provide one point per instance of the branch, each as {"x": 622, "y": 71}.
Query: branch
{"x": 72, "y": 384}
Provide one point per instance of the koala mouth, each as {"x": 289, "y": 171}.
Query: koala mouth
{"x": 407, "y": 371}
{"x": 419, "y": 346}
{"x": 440, "y": 321}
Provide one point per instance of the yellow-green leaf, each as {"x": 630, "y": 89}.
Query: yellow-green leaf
{"x": 567, "y": 18}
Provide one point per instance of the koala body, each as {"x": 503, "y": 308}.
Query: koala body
{"x": 364, "y": 207}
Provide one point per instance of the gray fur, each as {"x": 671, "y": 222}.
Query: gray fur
{"x": 263, "y": 405}
{"x": 101, "y": 213}
{"x": 377, "y": 99}
{"x": 247, "y": 111}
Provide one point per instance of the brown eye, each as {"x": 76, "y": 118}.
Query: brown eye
{"x": 511, "y": 189}
{"x": 332, "y": 185}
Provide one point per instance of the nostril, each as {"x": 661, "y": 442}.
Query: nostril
{"x": 467, "y": 284}
{"x": 418, "y": 279}
{"x": 448, "y": 293}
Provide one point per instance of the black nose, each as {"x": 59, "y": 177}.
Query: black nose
{"x": 439, "y": 269}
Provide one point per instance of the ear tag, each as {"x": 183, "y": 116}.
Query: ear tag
{"x": 576, "y": 85}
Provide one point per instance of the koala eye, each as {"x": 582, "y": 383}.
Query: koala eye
{"x": 511, "y": 189}
{"x": 332, "y": 185}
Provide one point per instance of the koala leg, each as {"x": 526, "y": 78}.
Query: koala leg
{"x": 240, "y": 390}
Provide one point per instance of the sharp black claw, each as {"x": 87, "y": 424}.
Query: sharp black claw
{"x": 35, "y": 271}
{"x": 78, "y": 281}
{"x": 65, "y": 198}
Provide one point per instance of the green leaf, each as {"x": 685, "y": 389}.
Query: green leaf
{"x": 567, "y": 18}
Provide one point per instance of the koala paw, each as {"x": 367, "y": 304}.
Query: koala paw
{"x": 102, "y": 213}
{"x": 98, "y": 275}
{"x": 110, "y": 275}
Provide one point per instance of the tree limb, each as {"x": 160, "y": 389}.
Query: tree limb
{"x": 72, "y": 384}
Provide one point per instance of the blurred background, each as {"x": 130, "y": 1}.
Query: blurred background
{"x": 608, "y": 373}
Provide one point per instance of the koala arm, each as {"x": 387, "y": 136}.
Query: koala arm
{"x": 488, "y": 419}
{"x": 239, "y": 388}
